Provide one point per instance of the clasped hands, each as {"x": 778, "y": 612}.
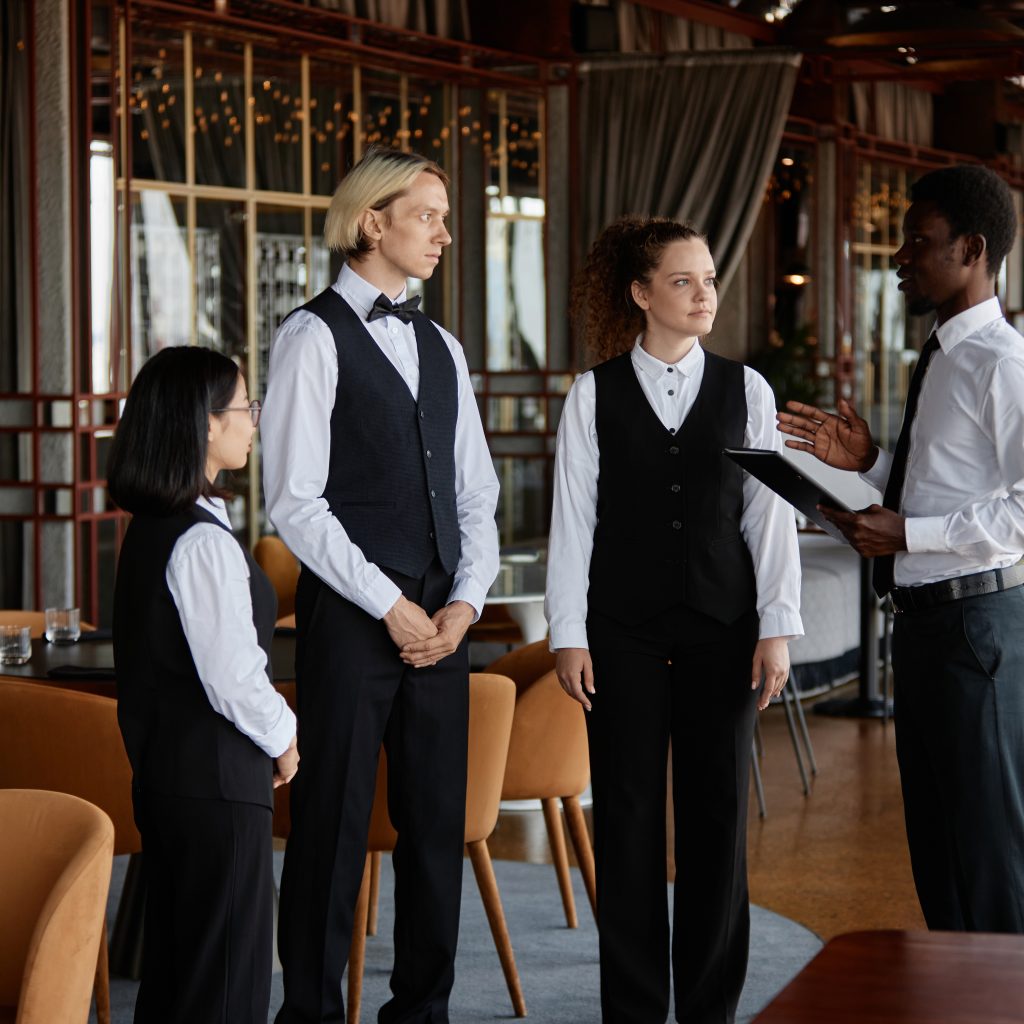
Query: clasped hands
{"x": 422, "y": 639}
{"x": 843, "y": 440}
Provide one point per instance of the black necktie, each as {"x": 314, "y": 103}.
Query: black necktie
{"x": 383, "y": 306}
{"x": 882, "y": 572}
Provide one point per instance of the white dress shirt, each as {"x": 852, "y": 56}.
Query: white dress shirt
{"x": 767, "y": 523}
{"x": 963, "y": 494}
{"x": 296, "y": 440}
{"x": 209, "y": 580}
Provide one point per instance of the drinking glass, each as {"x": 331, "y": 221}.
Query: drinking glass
{"x": 62, "y": 625}
{"x": 15, "y": 645}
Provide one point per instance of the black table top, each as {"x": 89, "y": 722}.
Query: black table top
{"x": 93, "y": 661}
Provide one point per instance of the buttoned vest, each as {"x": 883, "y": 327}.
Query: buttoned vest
{"x": 391, "y": 475}
{"x": 669, "y": 505}
{"x": 176, "y": 743}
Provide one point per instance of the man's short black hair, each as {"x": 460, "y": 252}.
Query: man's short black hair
{"x": 975, "y": 201}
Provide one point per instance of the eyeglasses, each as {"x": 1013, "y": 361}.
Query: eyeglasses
{"x": 253, "y": 409}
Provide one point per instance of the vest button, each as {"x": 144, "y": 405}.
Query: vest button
{"x": 674, "y": 450}
{"x": 676, "y": 488}
{"x": 422, "y": 414}
{"x": 429, "y": 456}
{"x": 676, "y": 525}
{"x": 433, "y": 494}
{"x": 431, "y": 534}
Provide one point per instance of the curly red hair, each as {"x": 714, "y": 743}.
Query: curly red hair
{"x": 602, "y": 306}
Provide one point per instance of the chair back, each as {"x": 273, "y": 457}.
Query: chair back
{"x": 491, "y": 706}
{"x": 525, "y": 664}
{"x": 36, "y": 621}
{"x": 67, "y": 742}
{"x": 274, "y": 558}
{"x": 55, "y": 861}
{"x": 548, "y": 754}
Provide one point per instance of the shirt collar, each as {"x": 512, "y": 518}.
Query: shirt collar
{"x": 958, "y": 327}
{"x": 656, "y": 369}
{"x": 216, "y": 507}
{"x": 358, "y": 292}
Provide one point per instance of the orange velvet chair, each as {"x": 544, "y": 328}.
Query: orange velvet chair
{"x": 36, "y": 621}
{"x": 69, "y": 742}
{"x": 548, "y": 760}
{"x": 274, "y": 558}
{"x": 491, "y": 706}
{"x": 55, "y": 860}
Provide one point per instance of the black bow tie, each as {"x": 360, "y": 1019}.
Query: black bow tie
{"x": 383, "y": 306}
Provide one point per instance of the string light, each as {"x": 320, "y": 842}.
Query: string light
{"x": 382, "y": 122}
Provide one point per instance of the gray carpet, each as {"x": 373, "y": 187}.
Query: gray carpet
{"x": 557, "y": 966}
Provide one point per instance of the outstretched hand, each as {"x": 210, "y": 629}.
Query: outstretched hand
{"x": 841, "y": 439}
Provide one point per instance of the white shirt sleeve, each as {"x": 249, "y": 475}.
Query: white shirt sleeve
{"x": 573, "y": 517}
{"x": 989, "y": 528}
{"x": 768, "y": 524}
{"x": 878, "y": 474}
{"x": 476, "y": 493}
{"x": 209, "y": 582}
{"x": 296, "y": 440}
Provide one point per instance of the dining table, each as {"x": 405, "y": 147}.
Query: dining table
{"x": 88, "y": 664}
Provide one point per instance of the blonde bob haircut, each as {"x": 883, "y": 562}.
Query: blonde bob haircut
{"x": 376, "y": 181}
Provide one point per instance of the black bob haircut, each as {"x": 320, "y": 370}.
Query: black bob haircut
{"x": 157, "y": 463}
{"x": 975, "y": 201}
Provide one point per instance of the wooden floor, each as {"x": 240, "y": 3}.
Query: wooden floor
{"x": 836, "y": 861}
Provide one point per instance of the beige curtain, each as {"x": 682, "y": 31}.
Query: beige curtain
{"x": 893, "y": 111}
{"x": 693, "y": 138}
{"x": 642, "y": 30}
{"x": 446, "y": 18}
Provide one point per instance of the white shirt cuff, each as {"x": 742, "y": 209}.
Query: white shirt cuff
{"x": 878, "y": 474}
{"x": 780, "y": 623}
{"x": 471, "y": 592}
{"x": 275, "y": 742}
{"x": 380, "y": 597}
{"x": 926, "y": 533}
{"x": 573, "y": 634}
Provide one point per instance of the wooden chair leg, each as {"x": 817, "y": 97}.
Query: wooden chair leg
{"x": 488, "y": 885}
{"x": 755, "y": 767}
{"x": 102, "y": 985}
{"x": 371, "y": 920}
{"x": 357, "y": 951}
{"x": 582, "y": 845}
{"x": 560, "y": 858}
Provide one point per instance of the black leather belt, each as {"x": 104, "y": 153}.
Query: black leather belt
{"x": 928, "y": 595}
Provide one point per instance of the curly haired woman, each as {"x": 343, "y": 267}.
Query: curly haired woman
{"x": 673, "y": 587}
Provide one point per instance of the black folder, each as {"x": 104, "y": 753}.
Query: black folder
{"x": 803, "y": 493}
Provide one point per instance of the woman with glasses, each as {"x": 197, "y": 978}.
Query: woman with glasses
{"x": 207, "y": 735}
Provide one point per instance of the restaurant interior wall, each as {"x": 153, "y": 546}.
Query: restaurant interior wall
{"x": 199, "y": 210}
{"x": 240, "y": 229}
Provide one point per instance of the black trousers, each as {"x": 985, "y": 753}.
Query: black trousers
{"x": 209, "y": 920}
{"x": 354, "y": 692}
{"x": 684, "y": 678}
{"x": 959, "y": 692}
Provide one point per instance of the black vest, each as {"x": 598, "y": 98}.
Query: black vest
{"x": 177, "y": 744}
{"x": 391, "y": 478}
{"x": 669, "y": 505}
